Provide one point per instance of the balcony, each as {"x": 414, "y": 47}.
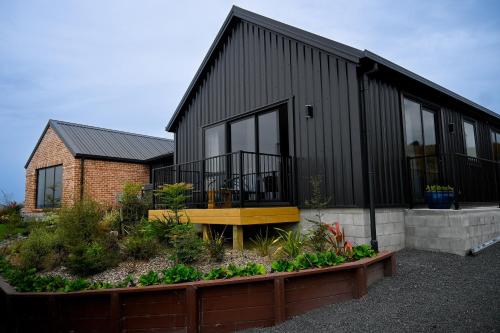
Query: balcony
{"x": 240, "y": 179}
{"x": 475, "y": 181}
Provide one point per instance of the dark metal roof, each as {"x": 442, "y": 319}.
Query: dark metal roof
{"x": 101, "y": 143}
{"x": 328, "y": 45}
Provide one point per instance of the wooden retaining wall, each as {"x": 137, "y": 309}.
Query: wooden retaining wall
{"x": 203, "y": 306}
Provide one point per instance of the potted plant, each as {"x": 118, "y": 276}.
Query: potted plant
{"x": 439, "y": 197}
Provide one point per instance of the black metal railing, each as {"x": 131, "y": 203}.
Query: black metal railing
{"x": 474, "y": 180}
{"x": 233, "y": 180}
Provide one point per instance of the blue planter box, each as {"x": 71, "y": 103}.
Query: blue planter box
{"x": 439, "y": 199}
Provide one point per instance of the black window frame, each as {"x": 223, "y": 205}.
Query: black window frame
{"x": 474, "y": 128}
{"x": 494, "y": 133}
{"x": 54, "y": 204}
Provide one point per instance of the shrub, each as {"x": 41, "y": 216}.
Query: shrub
{"x": 139, "y": 246}
{"x": 180, "y": 273}
{"x": 262, "y": 243}
{"x": 186, "y": 244}
{"x": 134, "y": 204}
{"x": 41, "y": 250}
{"x": 215, "y": 245}
{"x": 317, "y": 236}
{"x": 149, "y": 279}
{"x": 159, "y": 229}
{"x": 290, "y": 243}
{"x": 87, "y": 259}
{"x": 362, "y": 251}
{"x": 110, "y": 221}
{"x": 80, "y": 223}
{"x": 231, "y": 271}
{"x": 173, "y": 197}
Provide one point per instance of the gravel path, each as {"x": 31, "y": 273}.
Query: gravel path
{"x": 431, "y": 292}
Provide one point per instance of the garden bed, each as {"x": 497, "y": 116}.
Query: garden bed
{"x": 202, "y": 306}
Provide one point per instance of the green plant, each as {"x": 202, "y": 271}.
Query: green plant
{"x": 186, "y": 244}
{"x": 157, "y": 228}
{"x": 149, "y": 279}
{"x": 110, "y": 221}
{"x": 232, "y": 271}
{"x": 438, "y": 188}
{"x": 362, "y": 251}
{"x": 80, "y": 223}
{"x": 262, "y": 243}
{"x": 41, "y": 250}
{"x": 215, "y": 244}
{"x": 173, "y": 197}
{"x": 134, "y": 205}
{"x": 180, "y": 273}
{"x": 290, "y": 243}
{"x": 139, "y": 246}
{"x": 317, "y": 202}
{"x": 282, "y": 266}
{"x": 87, "y": 259}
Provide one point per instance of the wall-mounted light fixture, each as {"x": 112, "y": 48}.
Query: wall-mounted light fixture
{"x": 309, "y": 111}
{"x": 451, "y": 128}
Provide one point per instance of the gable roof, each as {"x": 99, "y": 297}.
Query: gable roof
{"x": 328, "y": 45}
{"x": 102, "y": 143}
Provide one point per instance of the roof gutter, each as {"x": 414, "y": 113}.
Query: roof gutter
{"x": 370, "y": 172}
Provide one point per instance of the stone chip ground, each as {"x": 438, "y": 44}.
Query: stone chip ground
{"x": 431, "y": 292}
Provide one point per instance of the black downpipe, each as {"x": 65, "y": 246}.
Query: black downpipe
{"x": 370, "y": 173}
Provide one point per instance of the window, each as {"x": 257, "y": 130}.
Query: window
{"x": 495, "y": 140}
{"x": 215, "y": 141}
{"x": 420, "y": 129}
{"x": 243, "y": 135}
{"x": 470, "y": 139}
{"x": 49, "y": 187}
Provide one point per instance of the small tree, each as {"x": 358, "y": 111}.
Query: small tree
{"x": 173, "y": 197}
{"x": 134, "y": 205}
{"x": 318, "y": 202}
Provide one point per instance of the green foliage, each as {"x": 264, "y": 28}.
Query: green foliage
{"x": 41, "y": 250}
{"x": 232, "y": 271}
{"x": 134, "y": 204}
{"x": 129, "y": 281}
{"x": 140, "y": 244}
{"x": 180, "y": 273}
{"x": 317, "y": 236}
{"x": 308, "y": 260}
{"x": 439, "y": 188}
{"x": 186, "y": 245}
{"x": 363, "y": 251}
{"x": 110, "y": 221}
{"x": 215, "y": 244}
{"x": 87, "y": 259}
{"x": 149, "y": 279}
{"x": 290, "y": 243}
{"x": 282, "y": 266}
{"x": 80, "y": 223}
{"x": 263, "y": 243}
{"x": 173, "y": 197}
{"x": 159, "y": 229}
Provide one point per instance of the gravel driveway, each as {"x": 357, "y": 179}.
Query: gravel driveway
{"x": 430, "y": 292}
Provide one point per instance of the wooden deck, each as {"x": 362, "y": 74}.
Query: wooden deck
{"x": 235, "y": 216}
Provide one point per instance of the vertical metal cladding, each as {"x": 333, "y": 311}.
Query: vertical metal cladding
{"x": 256, "y": 67}
{"x": 385, "y": 139}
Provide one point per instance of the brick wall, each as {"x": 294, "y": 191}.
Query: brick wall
{"x": 52, "y": 151}
{"x": 103, "y": 180}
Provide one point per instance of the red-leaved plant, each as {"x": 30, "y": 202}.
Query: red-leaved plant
{"x": 336, "y": 239}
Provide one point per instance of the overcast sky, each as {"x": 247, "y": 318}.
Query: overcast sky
{"x": 125, "y": 64}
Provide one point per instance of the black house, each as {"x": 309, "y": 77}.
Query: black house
{"x": 272, "y": 105}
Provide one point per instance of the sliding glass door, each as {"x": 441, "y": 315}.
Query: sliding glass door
{"x": 421, "y": 146}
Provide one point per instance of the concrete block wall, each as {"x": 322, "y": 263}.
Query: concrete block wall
{"x": 356, "y": 224}
{"x": 451, "y": 231}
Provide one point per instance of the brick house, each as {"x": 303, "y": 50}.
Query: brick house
{"x": 71, "y": 160}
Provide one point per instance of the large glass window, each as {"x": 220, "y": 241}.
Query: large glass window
{"x": 470, "y": 139}
{"x": 243, "y": 135}
{"x": 49, "y": 187}
{"x": 269, "y": 142}
{"x": 215, "y": 141}
{"x": 495, "y": 140}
